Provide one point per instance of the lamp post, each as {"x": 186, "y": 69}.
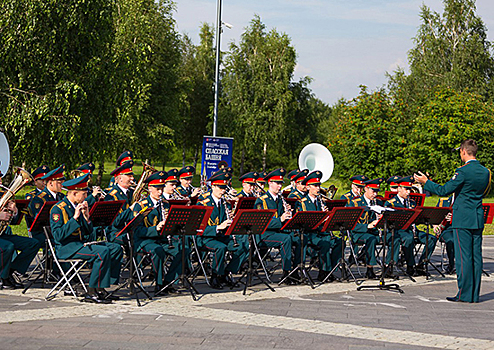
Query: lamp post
{"x": 217, "y": 68}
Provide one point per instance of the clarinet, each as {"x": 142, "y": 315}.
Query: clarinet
{"x": 229, "y": 217}
{"x": 164, "y": 215}
{"x": 324, "y": 207}
{"x": 286, "y": 206}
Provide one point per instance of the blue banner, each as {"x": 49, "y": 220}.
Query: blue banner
{"x": 215, "y": 150}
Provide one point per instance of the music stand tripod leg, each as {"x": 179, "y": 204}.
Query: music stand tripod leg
{"x": 352, "y": 252}
{"x": 258, "y": 253}
{"x": 342, "y": 263}
{"x": 382, "y": 284}
{"x": 426, "y": 259}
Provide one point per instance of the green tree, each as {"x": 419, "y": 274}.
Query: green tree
{"x": 444, "y": 121}
{"x": 55, "y": 73}
{"x": 147, "y": 53}
{"x": 256, "y": 93}
{"x": 197, "y": 94}
{"x": 451, "y": 50}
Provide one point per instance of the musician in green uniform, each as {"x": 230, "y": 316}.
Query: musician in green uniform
{"x": 148, "y": 238}
{"x": 185, "y": 188}
{"x": 171, "y": 183}
{"x": 51, "y": 193}
{"x": 470, "y": 183}
{"x": 214, "y": 240}
{"x": 261, "y": 183}
{"x": 402, "y": 200}
{"x": 445, "y": 234}
{"x": 125, "y": 157}
{"x": 39, "y": 184}
{"x": 94, "y": 194}
{"x": 248, "y": 184}
{"x": 393, "y": 185}
{"x": 121, "y": 191}
{"x": 72, "y": 228}
{"x": 365, "y": 231}
{"x": 357, "y": 187}
{"x": 26, "y": 247}
{"x": 290, "y": 177}
{"x": 300, "y": 190}
{"x": 329, "y": 248}
{"x": 273, "y": 237}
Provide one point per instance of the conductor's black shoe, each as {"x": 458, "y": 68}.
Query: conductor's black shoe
{"x": 369, "y": 274}
{"x": 215, "y": 282}
{"x": 454, "y": 299}
{"x": 107, "y": 296}
{"x": 91, "y": 298}
{"x": 287, "y": 280}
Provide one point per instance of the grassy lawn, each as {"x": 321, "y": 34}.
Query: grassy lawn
{"x": 22, "y": 230}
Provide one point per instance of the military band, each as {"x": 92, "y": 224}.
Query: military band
{"x": 72, "y": 227}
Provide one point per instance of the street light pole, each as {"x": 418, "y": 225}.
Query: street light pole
{"x": 217, "y": 70}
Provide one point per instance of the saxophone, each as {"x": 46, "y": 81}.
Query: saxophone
{"x": 22, "y": 178}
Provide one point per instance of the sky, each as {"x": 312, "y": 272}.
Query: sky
{"x": 340, "y": 44}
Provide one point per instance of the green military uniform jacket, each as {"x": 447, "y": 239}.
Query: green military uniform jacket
{"x": 243, "y": 194}
{"x": 306, "y": 204}
{"x": 266, "y": 201}
{"x": 296, "y": 194}
{"x": 69, "y": 234}
{"x": 349, "y": 196}
{"x": 115, "y": 193}
{"x": 147, "y": 231}
{"x": 470, "y": 183}
{"x": 367, "y": 216}
{"x": 38, "y": 201}
{"x": 217, "y": 216}
{"x": 186, "y": 192}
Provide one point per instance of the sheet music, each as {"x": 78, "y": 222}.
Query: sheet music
{"x": 379, "y": 209}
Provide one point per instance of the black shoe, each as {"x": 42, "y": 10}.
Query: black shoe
{"x": 410, "y": 271}
{"x": 226, "y": 280}
{"x": 159, "y": 291}
{"x": 7, "y": 284}
{"x": 215, "y": 282}
{"x": 91, "y": 298}
{"x": 455, "y": 299}
{"x": 171, "y": 290}
{"x": 107, "y": 296}
{"x": 420, "y": 270}
{"x": 369, "y": 274}
{"x": 16, "y": 284}
{"x": 389, "y": 274}
{"x": 450, "y": 270}
{"x": 287, "y": 280}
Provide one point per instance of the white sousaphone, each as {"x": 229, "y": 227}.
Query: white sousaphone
{"x": 315, "y": 156}
{"x": 4, "y": 154}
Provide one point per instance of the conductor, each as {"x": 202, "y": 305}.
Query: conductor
{"x": 470, "y": 183}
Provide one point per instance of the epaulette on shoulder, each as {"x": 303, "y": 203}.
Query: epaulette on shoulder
{"x": 61, "y": 205}
{"x": 42, "y": 194}
{"x": 144, "y": 202}
{"x": 264, "y": 196}
{"x": 205, "y": 201}
{"x": 303, "y": 199}
{"x": 392, "y": 200}
{"x": 113, "y": 192}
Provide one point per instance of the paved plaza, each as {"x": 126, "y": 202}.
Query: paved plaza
{"x": 331, "y": 316}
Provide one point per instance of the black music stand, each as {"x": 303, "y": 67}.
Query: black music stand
{"x": 396, "y": 220}
{"x": 245, "y": 203}
{"x": 129, "y": 231}
{"x": 303, "y": 221}
{"x": 178, "y": 201}
{"x": 21, "y": 205}
{"x": 103, "y": 213}
{"x": 250, "y": 222}
{"x": 430, "y": 216}
{"x": 343, "y": 220}
{"x": 335, "y": 203}
{"x": 182, "y": 221}
{"x": 42, "y": 220}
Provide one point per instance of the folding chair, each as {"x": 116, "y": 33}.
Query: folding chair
{"x": 67, "y": 276}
